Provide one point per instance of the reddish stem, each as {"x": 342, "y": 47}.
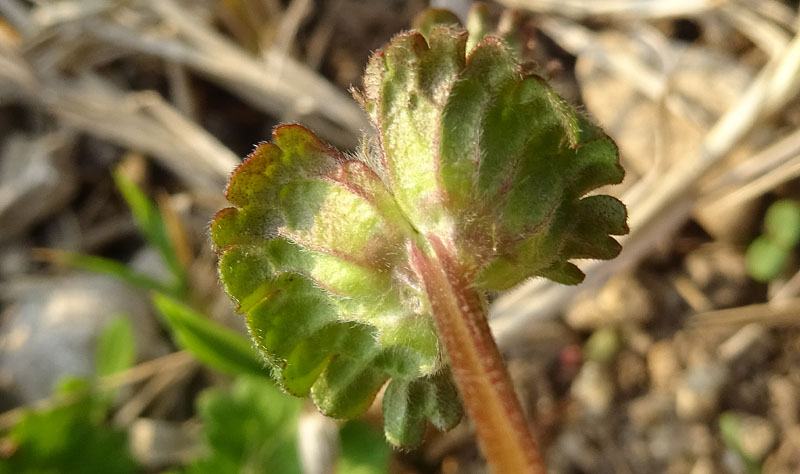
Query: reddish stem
{"x": 478, "y": 368}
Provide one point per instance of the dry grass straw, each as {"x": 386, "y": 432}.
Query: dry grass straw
{"x": 50, "y": 54}
{"x": 621, "y": 9}
{"x": 176, "y": 365}
{"x": 767, "y": 314}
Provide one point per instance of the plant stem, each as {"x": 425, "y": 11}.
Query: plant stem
{"x": 460, "y": 312}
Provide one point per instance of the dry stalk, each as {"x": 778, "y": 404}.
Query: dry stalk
{"x": 620, "y": 9}
{"x": 174, "y": 362}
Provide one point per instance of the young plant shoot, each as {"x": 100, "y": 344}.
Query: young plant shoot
{"x": 357, "y": 270}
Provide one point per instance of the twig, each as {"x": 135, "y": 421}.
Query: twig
{"x": 762, "y": 32}
{"x": 180, "y": 90}
{"x": 143, "y": 397}
{"x": 317, "y": 43}
{"x": 143, "y": 121}
{"x": 769, "y": 314}
{"x": 17, "y": 15}
{"x": 689, "y": 291}
{"x": 772, "y": 158}
{"x": 762, "y": 184}
{"x": 777, "y": 11}
{"x": 172, "y": 362}
{"x": 46, "y": 15}
{"x": 624, "y": 9}
{"x": 786, "y": 291}
{"x": 293, "y": 17}
{"x": 293, "y": 86}
{"x": 276, "y": 83}
{"x": 149, "y": 124}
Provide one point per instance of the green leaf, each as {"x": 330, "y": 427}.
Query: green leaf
{"x": 249, "y": 428}
{"x": 105, "y": 266}
{"x": 150, "y": 222}
{"x": 325, "y": 295}
{"x": 363, "y": 450}
{"x": 730, "y": 427}
{"x": 602, "y": 345}
{"x": 766, "y": 259}
{"x": 68, "y": 439}
{"x": 116, "y": 348}
{"x": 466, "y": 148}
{"x": 782, "y": 223}
{"x": 210, "y": 343}
{"x": 407, "y": 404}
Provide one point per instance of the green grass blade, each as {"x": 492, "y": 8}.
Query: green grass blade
{"x": 210, "y": 343}
{"x": 730, "y": 427}
{"x": 105, "y": 266}
{"x": 116, "y": 348}
{"x": 363, "y": 449}
{"x": 150, "y": 222}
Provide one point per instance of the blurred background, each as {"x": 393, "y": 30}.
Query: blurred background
{"x": 120, "y": 121}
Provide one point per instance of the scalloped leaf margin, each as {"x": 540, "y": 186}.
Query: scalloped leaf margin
{"x": 312, "y": 253}
{"x": 465, "y": 147}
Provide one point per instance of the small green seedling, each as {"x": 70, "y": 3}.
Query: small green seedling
{"x": 355, "y": 270}
{"x": 731, "y": 428}
{"x": 72, "y": 436}
{"x": 252, "y": 427}
{"x": 770, "y": 253}
{"x": 151, "y": 223}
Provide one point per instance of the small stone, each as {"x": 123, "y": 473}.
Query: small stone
{"x": 631, "y": 372}
{"x": 756, "y": 436}
{"x": 703, "y": 465}
{"x": 52, "y": 324}
{"x": 650, "y": 409}
{"x": 593, "y": 388}
{"x": 37, "y": 179}
{"x": 622, "y": 300}
{"x": 584, "y": 313}
{"x": 666, "y": 441}
{"x": 750, "y": 345}
{"x": 579, "y": 452}
{"x": 720, "y": 271}
{"x": 156, "y": 444}
{"x": 626, "y": 299}
{"x": 15, "y": 259}
{"x": 698, "y": 393}
{"x": 783, "y": 395}
{"x": 662, "y": 365}
{"x": 701, "y": 441}
{"x": 732, "y": 462}
{"x": 679, "y": 465}
{"x": 785, "y": 459}
{"x": 638, "y": 339}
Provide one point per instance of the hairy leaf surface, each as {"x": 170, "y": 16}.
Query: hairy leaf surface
{"x": 466, "y": 148}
